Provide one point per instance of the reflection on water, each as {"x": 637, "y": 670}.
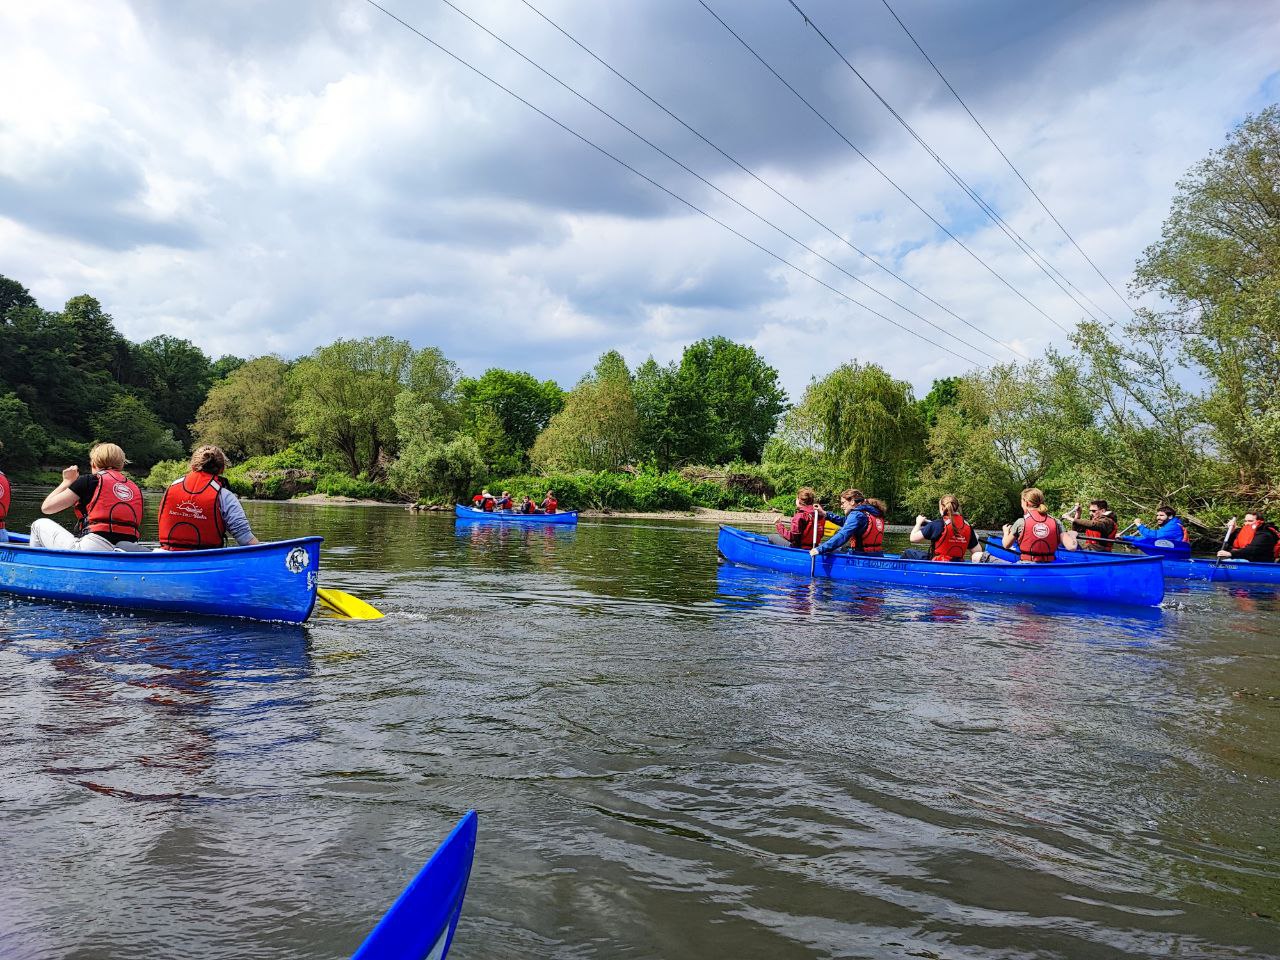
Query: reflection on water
{"x": 672, "y": 757}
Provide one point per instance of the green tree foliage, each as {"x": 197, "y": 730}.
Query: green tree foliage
{"x": 345, "y": 398}
{"x": 522, "y": 404}
{"x": 944, "y": 393}
{"x": 858, "y": 424}
{"x": 1217, "y": 265}
{"x": 22, "y": 441}
{"x": 13, "y": 294}
{"x": 130, "y": 423}
{"x": 176, "y": 375}
{"x": 248, "y": 413}
{"x": 598, "y": 427}
{"x": 224, "y": 366}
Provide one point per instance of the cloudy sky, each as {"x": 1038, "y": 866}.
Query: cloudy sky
{"x": 267, "y": 177}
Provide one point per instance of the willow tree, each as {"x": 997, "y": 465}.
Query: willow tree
{"x": 858, "y": 424}
{"x": 598, "y": 428}
{"x": 248, "y": 413}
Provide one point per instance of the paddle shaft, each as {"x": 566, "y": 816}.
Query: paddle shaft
{"x": 1227, "y": 539}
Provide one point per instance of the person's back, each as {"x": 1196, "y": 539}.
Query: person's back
{"x": 198, "y": 510}
{"x": 107, "y": 504}
{"x": 1037, "y": 534}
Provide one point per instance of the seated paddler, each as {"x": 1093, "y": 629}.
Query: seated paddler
{"x": 1037, "y": 534}
{"x": 805, "y": 528}
{"x": 1168, "y": 531}
{"x": 4, "y": 504}
{"x": 199, "y": 510}
{"x": 1257, "y": 541}
{"x": 1098, "y": 529}
{"x": 861, "y": 526}
{"x": 950, "y": 536}
{"x": 107, "y": 505}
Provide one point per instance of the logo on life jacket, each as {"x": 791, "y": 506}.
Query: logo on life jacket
{"x": 122, "y": 492}
{"x": 190, "y": 509}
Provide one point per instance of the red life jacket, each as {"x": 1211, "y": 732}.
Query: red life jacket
{"x": 190, "y": 515}
{"x": 1094, "y": 538}
{"x": 954, "y": 542}
{"x": 1039, "y": 541}
{"x": 115, "y": 508}
{"x": 870, "y": 539}
{"x": 549, "y": 505}
{"x": 1244, "y": 536}
{"x": 4, "y": 498}
{"x": 801, "y": 532}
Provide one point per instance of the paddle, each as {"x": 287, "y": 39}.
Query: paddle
{"x": 817, "y": 537}
{"x": 345, "y": 605}
{"x": 1231, "y": 526}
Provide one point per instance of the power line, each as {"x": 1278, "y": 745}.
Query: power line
{"x": 751, "y": 173}
{"x": 1037, "y": 258}
{"x": 675, "y": 196}
{"x": 1044, "y": 206}
{"x": 547, "y": 73}
{"x": 877, "y": 169}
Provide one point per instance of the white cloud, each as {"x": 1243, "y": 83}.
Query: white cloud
{"x": 291, "y": 174}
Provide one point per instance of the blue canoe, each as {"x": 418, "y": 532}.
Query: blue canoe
{"x": 420, "y": 924}
{"x": 1136, "y": 580}
{"x": 268, "y": 581}
{"x": 1208, "y": 569}
{"x": 501, "y": 516}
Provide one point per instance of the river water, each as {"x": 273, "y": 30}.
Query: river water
{"x": 670, "y": 758}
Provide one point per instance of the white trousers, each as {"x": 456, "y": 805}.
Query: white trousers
{"x": 49, "y": 534}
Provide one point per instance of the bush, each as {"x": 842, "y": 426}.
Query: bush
{"x": 341, "y": 485}
{"x": 164, "y": 473}
{"x": 63, "y": 452}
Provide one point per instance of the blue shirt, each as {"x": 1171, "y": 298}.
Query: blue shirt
{"x": 856, "y": 522}
{"x": 1171, "y": 529}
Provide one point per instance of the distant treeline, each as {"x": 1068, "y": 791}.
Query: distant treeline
{"x": 1180, "y": 405}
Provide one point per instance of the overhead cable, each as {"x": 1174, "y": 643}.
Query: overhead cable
{"x": 1018, "y": 173}
{"x": 910, "y": 199}
{"x": 769, "y": 223}
{"x": 1038, "y": 259}
{"x": 782, "y": 196}
{"x": 675, "y": 196}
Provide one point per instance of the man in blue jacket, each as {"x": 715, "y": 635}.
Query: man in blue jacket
{"x": 1168, "y": 527}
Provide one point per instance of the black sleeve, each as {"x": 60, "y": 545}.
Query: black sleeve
{"x": 1261, "y": 550}
{"x": 84, "y": 488}
{"x": 973, "y": 538}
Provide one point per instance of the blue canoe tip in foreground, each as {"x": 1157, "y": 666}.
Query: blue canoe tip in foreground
{"x": 495, "y": 516}
{"x": 420, "y": 924}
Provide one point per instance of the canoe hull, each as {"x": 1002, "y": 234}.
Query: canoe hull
{"x": 1206, "y": 570}
{"x": 1137, "y": 581}
{"x": 422, "y": 921}
{"x": 469, "y": 513}
{"x": 269, "y": 581}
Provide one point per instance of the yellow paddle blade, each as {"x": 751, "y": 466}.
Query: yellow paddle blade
{"x": 829, "y": 530}
{"x": 344, "y": 604}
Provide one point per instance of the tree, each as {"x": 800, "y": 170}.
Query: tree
{"x": 22, "y": 442}
{"x": 1217, "y": 265}
{"x": 598, "y": 428}
{"x": 345, "y": 397}
{"x": 741, "y": 397}
{"x": 176, "y": 375}
{"x": 128, "y": 421}
{"x": 522, "y": 404}
{"x": 224, "y": 366}
{"x": 13, "y": 294}
{"x": 248, "y": 414}
{"x": 861, "y": 423}
{"x": 945, "y": 392}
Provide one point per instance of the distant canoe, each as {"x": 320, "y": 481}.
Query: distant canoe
{"x": 1207, "y": 569}
{"x": 268, "y": 581}
{"x": 1136, "y": 580}
{"x": 421, "y": 923}
{"x": 496, "y": 516}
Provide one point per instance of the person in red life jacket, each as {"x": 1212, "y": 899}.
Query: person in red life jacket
{"x": 549, "y": 503}
{"x": 861, "y": 527}
{"x": 1098, "y": 528}
{"x": 1037, "y": 534}
{"x": 1257, "y": 541}
{"x": 106, "y": 503}
{"x": 504, "y": 502}
{"x": 483, "y": 500}
{"x": 527, "y": 505}
{"x": 4, "y": 504}
{"x": 199, "y": 510}
{"x": 805, "y": 529}
{"x": 950, "y": 537}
